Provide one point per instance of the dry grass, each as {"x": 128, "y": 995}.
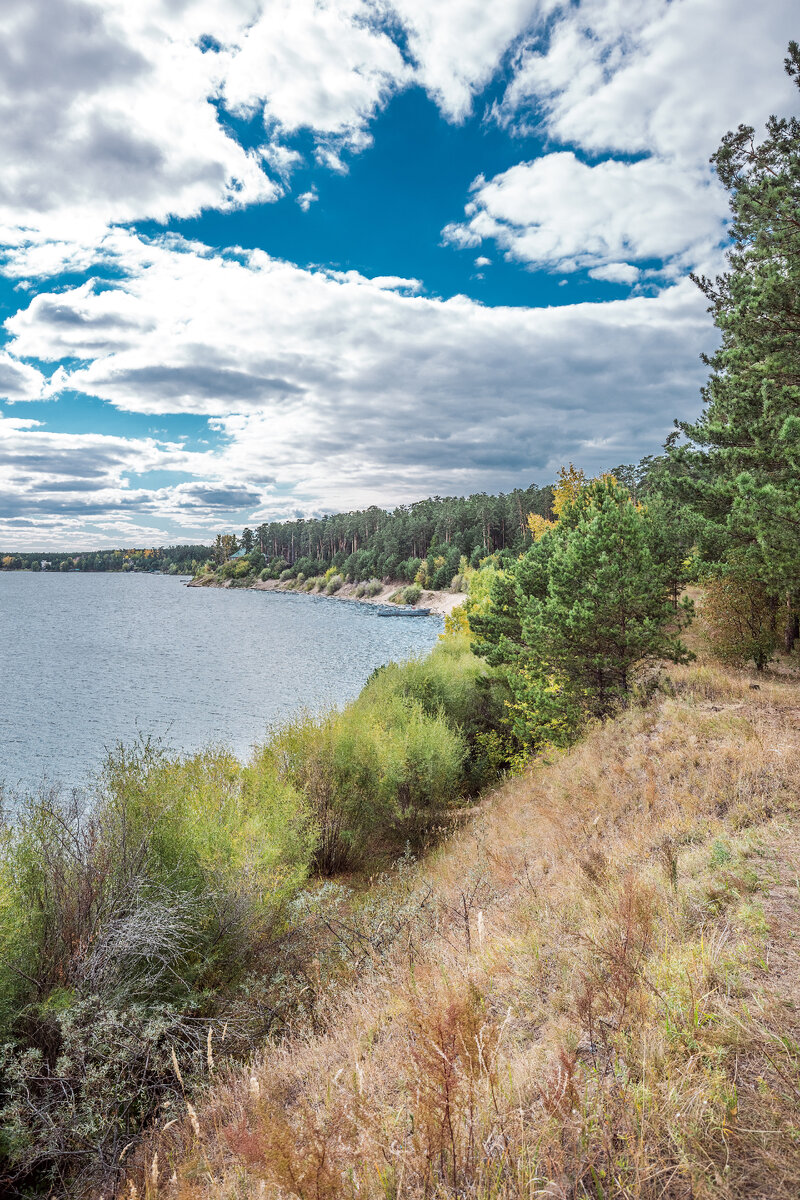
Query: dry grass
{"x": 597, "y": 997}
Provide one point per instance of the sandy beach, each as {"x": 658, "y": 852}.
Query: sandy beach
{"x": 441, "y": 603}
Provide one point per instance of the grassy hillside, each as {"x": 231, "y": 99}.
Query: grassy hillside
{"x": 590, "y": 990}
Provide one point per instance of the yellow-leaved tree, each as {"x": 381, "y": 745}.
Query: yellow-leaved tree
{"x": 571, "y": 482}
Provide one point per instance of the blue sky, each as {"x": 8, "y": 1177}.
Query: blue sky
{"x": 263, "y": 259}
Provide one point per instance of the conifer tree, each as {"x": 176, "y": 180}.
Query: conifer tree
{"x": 741, "y": 465}
{"x": 576, "y": 612}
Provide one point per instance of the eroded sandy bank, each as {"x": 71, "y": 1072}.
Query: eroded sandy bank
{"x": 440, "y": 603}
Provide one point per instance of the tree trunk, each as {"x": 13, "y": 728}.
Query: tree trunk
{"x": 792, "y": 628}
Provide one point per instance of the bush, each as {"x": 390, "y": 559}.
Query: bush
{"x": 412, "y": 593}
{"x": 739, "y": 619}
{"x": 265, "y": 575}
{"x": 123, "y": 926}
{"x": 453, "y": 683}
{"x": 334, "y": 582}
{"x": 288, "y": 573}
{"x": 374, "y": 587}
{"x": 374, "y": 776}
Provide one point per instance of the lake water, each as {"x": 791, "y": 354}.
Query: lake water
{"x": 92, "y": 660}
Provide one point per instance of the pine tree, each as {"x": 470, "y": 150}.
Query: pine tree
{"x": 572, "y": 617}
{"x": 742, "y": 461}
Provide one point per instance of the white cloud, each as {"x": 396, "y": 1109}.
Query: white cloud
{"x": 616, "y": 272}
{"x": 306, "y": 199}
{"x": 656, "y": 76}
{"x": 458, "y": 44}
{"x": 105, "y": 115}
{"x": 18, "y": 380}
{"x": 661, "y": 78}
{"x": 109, "y": 109}
{"x": 343, "y": 390}
{"x": 558, "y": 213}
{"x": 76, "y": 490}
{"x": 322, "y": 66}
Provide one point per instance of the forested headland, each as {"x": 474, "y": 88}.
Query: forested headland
{"x": 325, "y": 972}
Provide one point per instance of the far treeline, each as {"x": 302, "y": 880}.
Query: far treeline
{"x": 169, "y": 560}
{"x": 165, "y": 921}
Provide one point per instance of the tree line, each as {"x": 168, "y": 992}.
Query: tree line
{"x": 174, "y": 560}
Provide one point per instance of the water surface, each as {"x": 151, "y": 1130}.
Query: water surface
{"x": 90, "y": 660}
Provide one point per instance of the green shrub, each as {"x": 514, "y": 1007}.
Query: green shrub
{"x": 373, "y": 775}
{"x": 333, "y": 584}
{"x": 373, "y": 587}
{"x": 288, "y": 573}
{"x": 143, "y": 911}
{"x": 452, "y": 682}
{"x": 360, "y": 591}
{"x": 265, "y": 575}
{"x": 412, "y": 593}
{"x": 738, "y": 616}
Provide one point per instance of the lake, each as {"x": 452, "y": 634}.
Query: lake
{"x": 91, "y": 660}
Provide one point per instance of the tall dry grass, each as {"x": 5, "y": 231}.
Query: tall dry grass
{"x": 591, "y": 993}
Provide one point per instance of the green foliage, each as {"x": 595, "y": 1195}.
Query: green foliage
{"x": 740, "y": 469}
{"x": 372, "y": 777}
{"x": 133, "y": 918}
{"x": 381, "y": 772}
{"x": 568, "y": 621}
{"x": 739, "y": 617}
{"x": 453, "y": 683}
{"x": 334, "y": 582}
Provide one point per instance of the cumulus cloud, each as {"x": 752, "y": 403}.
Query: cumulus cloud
{"x": 306, "y": 199}
{"x": 113, "y": 112}
{"x": 561, "y": 214}
{"x": 616, "y": 272}
{"x": 457, "y": 44}
{"x": 18, "y": 380}
{"x": 661, "y": 78}
{"x": 106, "y": 115}
{"x": 654, "y": 76}
{"x": 59, "y": 489}
{"x": 323, "y": 66}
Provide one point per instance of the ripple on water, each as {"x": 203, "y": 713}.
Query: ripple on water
{"x": 90, "y": 660}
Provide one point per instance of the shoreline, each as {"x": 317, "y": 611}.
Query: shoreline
{"x": 441, "y": 604}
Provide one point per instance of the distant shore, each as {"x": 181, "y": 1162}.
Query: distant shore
{"x": 440, "y": 603}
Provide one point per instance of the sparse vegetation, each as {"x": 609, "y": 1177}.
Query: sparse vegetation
{"x": 590, "y": 989}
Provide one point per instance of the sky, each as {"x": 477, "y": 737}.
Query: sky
{"x": 266, "y": 259}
